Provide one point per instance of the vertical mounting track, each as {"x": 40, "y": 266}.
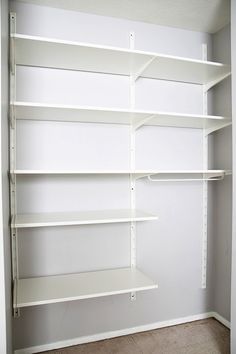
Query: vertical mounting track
{"x": 132, "y": 168}
{"x": 205, "y": 184}
{"x": 12, "y": 125}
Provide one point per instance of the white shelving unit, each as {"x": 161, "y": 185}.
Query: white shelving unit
{"x": 60, "y": 288}
{"x": 80, "y": 218}
{"x": 136, "y": 119}
{"x": 60, "y": 54}
{"x": 137, "y": 174}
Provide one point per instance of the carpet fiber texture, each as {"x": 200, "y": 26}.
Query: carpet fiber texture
{"x": 199, "y": 337}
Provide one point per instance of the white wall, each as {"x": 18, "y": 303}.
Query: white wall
{"x": 169, "y": 250}
{"x": 222, "y": 193}
{"x": 5, "y": 268}
{"x": 233, "y": 277}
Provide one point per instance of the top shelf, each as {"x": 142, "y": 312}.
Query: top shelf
{"x": 153, "y": 175}
{"x": 60, "y": 54}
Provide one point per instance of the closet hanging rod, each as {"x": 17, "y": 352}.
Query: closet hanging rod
{"x": 184, "y": 179}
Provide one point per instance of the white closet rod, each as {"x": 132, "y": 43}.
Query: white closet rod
{"x": 184, "y": 179}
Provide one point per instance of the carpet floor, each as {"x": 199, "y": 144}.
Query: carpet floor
{"x": 199, "y": 337}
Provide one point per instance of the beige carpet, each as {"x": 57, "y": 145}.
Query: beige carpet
{"x": 199, "y": 337}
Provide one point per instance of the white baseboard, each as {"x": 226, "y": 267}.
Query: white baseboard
{"x": 221, "y": 319}
{"x": 121, "y": 332}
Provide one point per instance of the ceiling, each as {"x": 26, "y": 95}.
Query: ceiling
{"x": 197, "y": 15}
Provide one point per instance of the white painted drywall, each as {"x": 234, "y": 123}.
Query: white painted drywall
{"x": 5, "y": 268}
{"x": 222, "y": 193}
{"x": 169, "y": 250}
{"x": 233, "y": 276}
{"x": 197, "y": 15}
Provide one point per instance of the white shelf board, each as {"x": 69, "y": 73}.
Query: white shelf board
{"x": 80, "y": 218}
{"x": 61, "y": 54}
{"x": 168, "y": 174}
{"x": 51, "y": 112}
{"x": 61, "y": 288}
{"x": 137, "y": 174}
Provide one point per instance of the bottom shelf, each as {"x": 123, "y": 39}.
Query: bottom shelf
{"x": 61, "y": 288}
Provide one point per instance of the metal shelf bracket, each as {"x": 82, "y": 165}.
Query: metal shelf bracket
{"x": 132, "y": 167}
{"x": 12, "y": 179}
{"x": 143, "y": 121}
{"x": 12, "y": 117}
{"x": 216, "y": 127}
{"x": 211, "y": 84}
{"x": 205, "y": 185}
{"x": 143, "y": 68}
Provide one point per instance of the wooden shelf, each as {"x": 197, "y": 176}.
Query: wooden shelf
{"x": 51, "y": 112}
{"x": 174, "y": 174}
{"x": 61, "y": 288}
{"x": 80, "y": 218}
{"x": 61, "y": 54}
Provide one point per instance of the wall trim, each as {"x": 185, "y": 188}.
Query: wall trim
{"x": 221, "y": 319}
{"x": 121, "y": 332}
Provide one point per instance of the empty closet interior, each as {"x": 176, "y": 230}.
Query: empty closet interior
{"x": 120, "y": 167}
